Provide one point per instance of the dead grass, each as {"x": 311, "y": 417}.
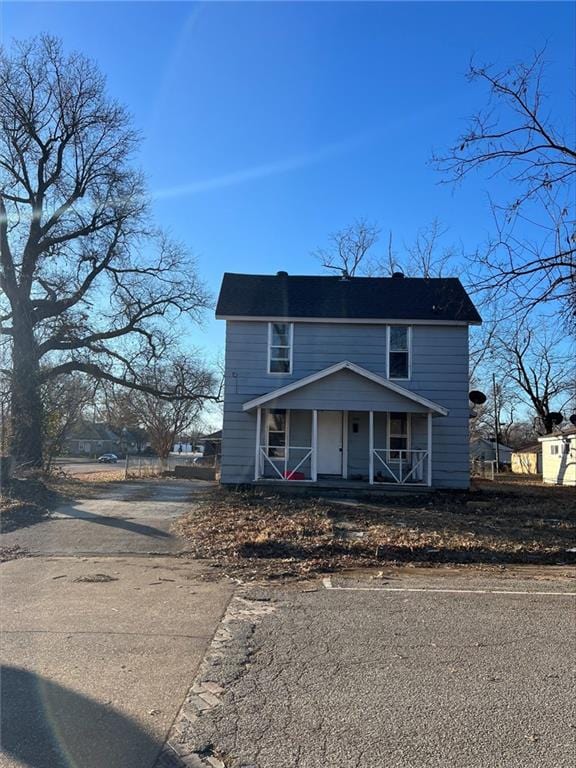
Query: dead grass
{"x": 262, "y": 534}
{"x": 25, "y": 502}
{"x": 113, "y": 476}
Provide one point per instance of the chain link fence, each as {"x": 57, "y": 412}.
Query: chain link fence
{"x": 483, "y": 469}
{"x": 154, "y": 466}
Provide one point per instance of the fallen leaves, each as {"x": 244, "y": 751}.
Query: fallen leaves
{"x": 277, "y": 536}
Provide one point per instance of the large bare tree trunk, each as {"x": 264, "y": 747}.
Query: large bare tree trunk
{"x": 26, "y": 408}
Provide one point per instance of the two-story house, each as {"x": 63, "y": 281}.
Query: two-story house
{"x": 331, "y": 379}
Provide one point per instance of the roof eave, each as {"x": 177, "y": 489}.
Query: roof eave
{"x": 353, "y": 320}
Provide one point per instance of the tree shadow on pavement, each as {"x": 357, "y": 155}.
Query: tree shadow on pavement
{"x": 71, "y": 513}
{"x": 45, "y": 725}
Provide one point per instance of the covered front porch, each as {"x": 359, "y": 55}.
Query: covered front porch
{"x": 330, "y": 446}
{"x": 344, "y": 423}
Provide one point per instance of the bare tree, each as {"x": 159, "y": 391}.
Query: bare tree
{"x": 89, "y": 285}
{"x": 428, "y": 256}
{"x": 349, "y": 248}
{"x": 164, "y": 420}
{"x": 5, "y": 421}
{"x": 389, "y": 264}
{"x": 543, "y": 375}
{"x": 532, "y": 256}
{"x": 64, "y": 399}
{"x": 501, "y": 408}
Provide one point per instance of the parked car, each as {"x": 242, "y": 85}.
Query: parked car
{"x": 148, "y": 451}
{"x": 108, "y": 458}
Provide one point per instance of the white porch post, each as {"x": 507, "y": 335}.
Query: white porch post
{"x": 287, "y": 444}
{"x": 371, "y": 447}
{"x": 314, "y": 457}
{"x": 429, "y": 479}
{"x": 257, "y": 454}
{"x": 345, "y": 445}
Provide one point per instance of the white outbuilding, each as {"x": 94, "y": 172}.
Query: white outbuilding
{"x": 559, "y": 458}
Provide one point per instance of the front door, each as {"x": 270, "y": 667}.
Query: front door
{"x": 329, "y": 443}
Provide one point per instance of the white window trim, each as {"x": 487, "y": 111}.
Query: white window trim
{"x": 291, "y": 341}
{"x": 409, "y": 342}
{"x": 286, "y": 432}
{"x": 408, "y": 432}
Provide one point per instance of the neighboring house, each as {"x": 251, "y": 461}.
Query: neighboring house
{"x": 528, "y": 460}
{"x": 212, "y": 445}
{"x": 133, "y": 440}
{"x": 559, "y": 458}
{"x": 89, "y": 438}
{"x": 356, "y": 379}
{"x": 485, "y": 450}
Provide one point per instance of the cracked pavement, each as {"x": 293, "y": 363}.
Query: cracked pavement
{"x": 403, "y": 679}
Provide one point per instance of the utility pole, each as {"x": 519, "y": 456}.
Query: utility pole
{"x": 496, "y": 423}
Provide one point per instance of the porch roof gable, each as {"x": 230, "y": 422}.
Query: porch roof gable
{"x": 342, "y": 366}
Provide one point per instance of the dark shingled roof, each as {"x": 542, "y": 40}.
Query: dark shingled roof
{"x": 357, "y": 298}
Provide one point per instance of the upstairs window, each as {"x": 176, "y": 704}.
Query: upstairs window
{"x": 399, "y": 337}
{"x": 280, "y": 347}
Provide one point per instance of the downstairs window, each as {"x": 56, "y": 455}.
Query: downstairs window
{"x": 276, "y": 433}
{"x": 398, "y": 435}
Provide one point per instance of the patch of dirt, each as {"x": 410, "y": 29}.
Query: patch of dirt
{"x": 12, "y": 553}
{"x": 113, "y": 476}
{"x": 25, "y": 502}
{"x": 95, "y": 578}
{"x": 257, "y": 534}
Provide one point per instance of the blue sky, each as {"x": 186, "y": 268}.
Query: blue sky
{"x": 269, "y": 125}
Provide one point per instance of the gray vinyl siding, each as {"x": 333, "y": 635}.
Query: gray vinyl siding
{"x": 344, "y": 391}
{"x": 439, "y": 373}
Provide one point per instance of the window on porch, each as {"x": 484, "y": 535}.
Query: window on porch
{"x": 398, "y": 438}
{"x": 276, "y": 433}
{"x": 284, "y": 440}
{"x": 401, "y": 452}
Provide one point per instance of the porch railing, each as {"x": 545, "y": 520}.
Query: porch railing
{"x": 282, "y": 465}
{"x": 402, "y": 466}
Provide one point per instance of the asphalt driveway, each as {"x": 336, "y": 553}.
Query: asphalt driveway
{"x": 404, "y": 675}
